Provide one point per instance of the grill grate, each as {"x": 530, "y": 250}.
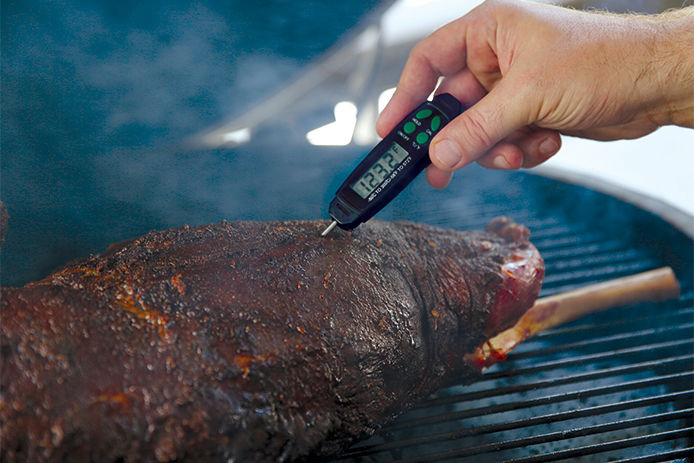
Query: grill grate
{"x": 616, "y": 385}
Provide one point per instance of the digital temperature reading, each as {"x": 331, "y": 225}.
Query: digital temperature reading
{"x": 392, "y": 164}
{"x": 385, "y": 165}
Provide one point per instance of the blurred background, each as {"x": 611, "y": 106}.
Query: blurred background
{"x": 123, "y": 117}
{"x": 99, "y": 97}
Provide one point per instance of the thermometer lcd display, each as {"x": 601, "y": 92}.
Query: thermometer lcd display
{"x": 383, "y": 167}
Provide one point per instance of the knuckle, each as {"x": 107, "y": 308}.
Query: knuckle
{"x": 475, "y": 132}
{"x": 419, "y": 51}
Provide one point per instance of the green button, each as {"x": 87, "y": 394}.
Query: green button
{"x": 422, "y": 138}
{"x": 409, "y": 127}
{"x": 435, "y": 123}
{"x": 423, "y": 114}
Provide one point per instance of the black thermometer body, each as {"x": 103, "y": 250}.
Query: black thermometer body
{"x": 392, "y": 164}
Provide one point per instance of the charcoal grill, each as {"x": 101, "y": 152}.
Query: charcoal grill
{"x": 613, "y": 386}
{"x": 617, "y": 385}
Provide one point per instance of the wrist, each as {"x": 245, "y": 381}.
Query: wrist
{"x": 673, "y": 60}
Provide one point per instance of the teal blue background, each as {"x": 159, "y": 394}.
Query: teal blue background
{"x": 98, "y": 95}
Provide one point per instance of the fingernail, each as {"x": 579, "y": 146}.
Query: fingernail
{"x": 500, "y": 162}
{"x": 548, "y": 146}
{"x": 447, "y": 153}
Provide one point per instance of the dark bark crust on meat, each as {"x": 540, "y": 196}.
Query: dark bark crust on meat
{"x": 245, "y": 341}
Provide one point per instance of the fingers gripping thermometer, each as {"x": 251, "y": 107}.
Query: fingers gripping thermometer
{"x": 391, "y": 165}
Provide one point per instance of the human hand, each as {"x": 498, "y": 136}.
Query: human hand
{"x": 529, "y": 72}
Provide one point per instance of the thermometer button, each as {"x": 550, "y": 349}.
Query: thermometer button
{"x": 423, "y": 114}
{"x": 435, "y": 123}
{"x": 422, "y": 138}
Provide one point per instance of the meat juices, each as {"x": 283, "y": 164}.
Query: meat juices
{"x": 250, "y": 341}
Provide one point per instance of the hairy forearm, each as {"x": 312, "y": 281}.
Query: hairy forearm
{"x": 673, "y": 59}
{"x": 646, "y": 67}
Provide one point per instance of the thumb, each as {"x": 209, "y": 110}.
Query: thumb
{"x": 470, "y": 135}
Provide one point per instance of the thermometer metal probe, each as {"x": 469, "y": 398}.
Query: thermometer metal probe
{"x": 391, "y": 165}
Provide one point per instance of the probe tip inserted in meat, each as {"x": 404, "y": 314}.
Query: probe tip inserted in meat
{"x": 330, "y": 227}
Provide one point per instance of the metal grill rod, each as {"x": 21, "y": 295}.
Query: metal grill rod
{"x": 580, "y": 432}
{"x": 660, "y": 318}
{"x": 589, "y": 265}
{"x": 574, "y": 239}
{"x": 577, "y": 378}
{"x": 681, "y": 453}
{"x": 601, "y": 340}
{"x": 534, "y": 421}
{"x": 605, "y": 447}
{"x": 540, "y": 401}
{"x": 560, "y": 435}
{"x": 604, "y": 270}
{"x": 550, "y": 230}
{"x": 592, "y": 249}
{"x": 578, "y": 360}
{"x": 565, "y": 265}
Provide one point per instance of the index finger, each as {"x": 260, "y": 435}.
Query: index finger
{"x": 442, "y": 53}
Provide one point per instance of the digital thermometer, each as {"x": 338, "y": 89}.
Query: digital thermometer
{"x": 391, "y": 165}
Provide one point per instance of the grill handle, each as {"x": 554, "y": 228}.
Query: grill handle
{"x": 549, "y": 312}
